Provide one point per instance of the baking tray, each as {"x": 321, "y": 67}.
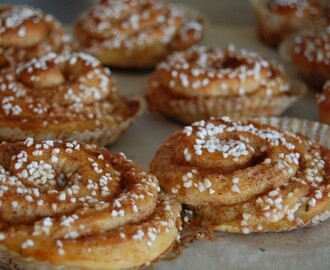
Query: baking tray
{"x": 307, "y": 248}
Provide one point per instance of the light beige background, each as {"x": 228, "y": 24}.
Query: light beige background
{"x": 225, "y": 12}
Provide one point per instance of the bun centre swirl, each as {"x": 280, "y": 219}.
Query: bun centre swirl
{"x": 226, "y": 171}
{"x": 72, "y": 204}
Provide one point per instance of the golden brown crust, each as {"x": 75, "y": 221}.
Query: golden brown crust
{"x": 208, "y": 78}
{"x": 76, "y": 205}
{"x": 276, "y": 19}
{"x": 136, "y": 34}
{"x": 301, "y": 9}
{"x": 245, "y": 177}
{"x": 64, "y": 97}
{"x": 26, "y": 33}
{"x": 324, "y": 103}
{"x": 310, "y": 56}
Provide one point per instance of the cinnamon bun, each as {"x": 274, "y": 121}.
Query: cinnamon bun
{"x": 324, "y": 103}
{"x": 26, "y": 32}
{"x": 76, "y": 206}
{"x": 137, "y": 34}
{"x": 70, "y": 96}
{"x": 276, "y": 19}
{"x": 246, "y": 176}
{"x": 202, "y": 82}
{"x": 309, "y": 53}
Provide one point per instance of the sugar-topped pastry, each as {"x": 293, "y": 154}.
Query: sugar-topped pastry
{"x": 137, "y": 34}
{"x": 69, "y": 205}
{"x": 70, "y": 96}
{"x": 26, "y": 32}
{"x": 309, "y": 53}
{"x": 203, "y": 82}
{"x": 296, "y": 8}
{"x": 246, "y": 176}
{"x": 276, "y": 19}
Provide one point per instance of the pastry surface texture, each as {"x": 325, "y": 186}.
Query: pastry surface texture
{"x": 69, "y": 96}
{"x": 77, "y": 206}
{"x": 277, "y": 19}
{"x": 309, "y": 53}
{"x": 26, "y": 33}
{"x": 246, "y": 176}
{"x": 137, "y": 34}
{"x": 203, "y": 82}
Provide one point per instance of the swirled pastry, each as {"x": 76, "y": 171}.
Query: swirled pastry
{"x": 76, "y": 206}
{"x": 69, "y": 96}
{"x": 26, "y": 33}
{"x": 276, "y": 19}
{"x": 246, "y": 176}
{"x": 136, "y": 34}
{"x": 202, "y": 82}
{"x": 324, "y": 103}
{"x": 309, "y": 54}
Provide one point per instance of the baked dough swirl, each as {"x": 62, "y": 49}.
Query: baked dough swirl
{"x": 70, "y": 96}
{"x": 136, "y": 34}
{"x": 26, "y": 33}
{"x": 80, "y": 207}
{"x": 202, "y": 82}
{"x": 246, "y": 177}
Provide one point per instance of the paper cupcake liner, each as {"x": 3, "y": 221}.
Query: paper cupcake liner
{"x": 309, "y": 74}
{"x": 188, "y": 111}
{"x": 102, "y": 137}
{"x": 12, "y": 261}
{"x": 272, "y": 28}
{"x": 312, "y": 222}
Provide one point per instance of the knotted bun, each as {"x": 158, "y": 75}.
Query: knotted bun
{"x": 26, "y": 33}
{"x": 70, "y": 96}
{"x": 277, "y": 19}
{"x": 136, "y": 34}
{"x": 309, "y": 53}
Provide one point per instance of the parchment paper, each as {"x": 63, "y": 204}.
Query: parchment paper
{"x": 307, "y": 248}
